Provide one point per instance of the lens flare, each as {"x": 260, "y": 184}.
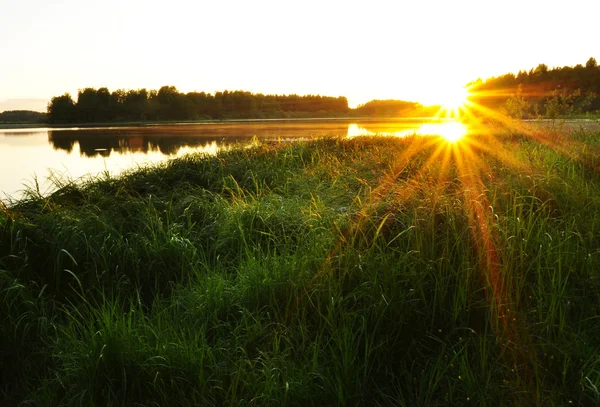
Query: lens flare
{"x": 451, "y": 131}
{"x": 453, "y": 99}
{"x": 453, "y": 102}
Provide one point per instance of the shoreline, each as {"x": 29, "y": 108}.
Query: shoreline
{"x": 74, "y": 126}
{"x": 104, "y": 125}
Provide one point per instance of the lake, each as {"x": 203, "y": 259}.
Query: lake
{"x": 45, "y": 153}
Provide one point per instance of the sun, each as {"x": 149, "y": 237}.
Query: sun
{"x": 452, "y": 99}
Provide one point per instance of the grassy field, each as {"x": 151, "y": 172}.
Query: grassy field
{"x": 366, "y": 271}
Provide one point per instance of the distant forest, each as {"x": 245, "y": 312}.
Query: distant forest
{"x": 22, "y": 116}
{"x": 539, "y": 92}
{"x": 542, "y": 92}
{"x": 168, "y": 104}
{"x": 394, "y": 108}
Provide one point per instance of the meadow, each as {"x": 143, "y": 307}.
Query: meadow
{"x": 368, "y": 271}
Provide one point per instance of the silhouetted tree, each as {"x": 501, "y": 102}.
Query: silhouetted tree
{"x": 591, "y": 63}
{"x": 61, "y": 109}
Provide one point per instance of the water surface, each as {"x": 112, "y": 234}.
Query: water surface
{"x": 27, "y": 155}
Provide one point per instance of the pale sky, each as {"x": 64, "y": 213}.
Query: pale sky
{"x": 375, "y": 49}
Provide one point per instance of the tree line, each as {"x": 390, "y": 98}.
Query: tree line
{"x": 542, "y": 91}
{"x": 22, "y": 116}
{"x": 167, "y": 103}
{"x": 394, "y": 108}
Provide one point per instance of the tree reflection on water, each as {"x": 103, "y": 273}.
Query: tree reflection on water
{"x": 169, "y": 139}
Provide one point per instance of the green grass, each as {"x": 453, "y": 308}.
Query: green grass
{"x": 325, "y": 272}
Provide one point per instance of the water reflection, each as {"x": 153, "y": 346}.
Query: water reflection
{"x": 450, "y": 130}
{"x": 74, "y": 153}
{"x": 92, "y": 146}
{"x": 17, "y": 133}
{"x": 168, "y": 140}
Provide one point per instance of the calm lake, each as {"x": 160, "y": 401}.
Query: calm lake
{"x": 44, "y": 153}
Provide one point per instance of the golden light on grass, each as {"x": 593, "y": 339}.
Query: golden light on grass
{"x": 467, "y": 169}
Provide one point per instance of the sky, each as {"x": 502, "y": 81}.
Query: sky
{"x": 414, "y": 50}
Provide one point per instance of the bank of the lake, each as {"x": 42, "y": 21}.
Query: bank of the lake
{"x": 101, "y": 124}
{"x": 365, "y": 271}
{"x": 209, "y": 121}
{"x": 574, "y": 119}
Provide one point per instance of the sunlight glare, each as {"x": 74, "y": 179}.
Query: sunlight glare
{"x": 450, "y": 131}
{"x": 453, "y": 99}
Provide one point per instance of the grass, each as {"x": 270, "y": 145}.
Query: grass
{"x": 325, "y": 272}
